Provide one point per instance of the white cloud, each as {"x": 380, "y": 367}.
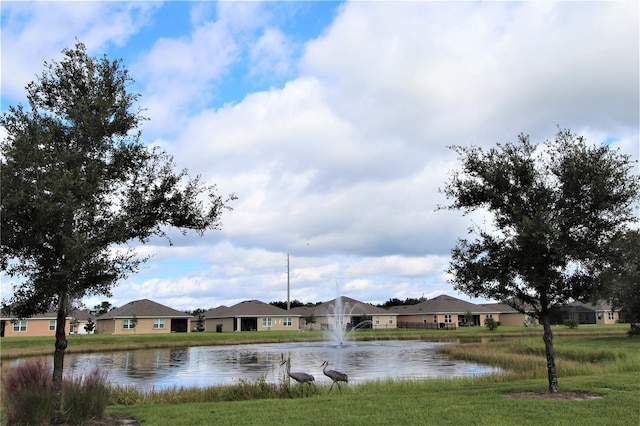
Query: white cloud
{"x": 271, "y": 55}
{"x": 34, "y": 33}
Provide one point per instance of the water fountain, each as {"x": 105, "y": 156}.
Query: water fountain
{"x": 339, "y": 310}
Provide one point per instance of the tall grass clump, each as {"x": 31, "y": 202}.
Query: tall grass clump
{"x": 242, "y": 390}
{"x": 27, "y": 398}
{"x": 86, "y": 398}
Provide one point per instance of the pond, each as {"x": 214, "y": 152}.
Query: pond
{"x": 202, "y": 366}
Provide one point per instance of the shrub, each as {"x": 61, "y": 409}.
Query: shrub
{"x": 571, "y": 323}
{"x": 86, "y": 398}
{"x": 491, "y": 324}
{"x": 27, "y": 397}
{"x": 218, "y": 328}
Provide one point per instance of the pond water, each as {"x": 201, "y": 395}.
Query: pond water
{"x": 202, "y": 366}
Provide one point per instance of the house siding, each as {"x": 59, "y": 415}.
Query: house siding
{"x": 144, "y": 326}
{"x": 36, "y": 327}
{"x": 515, "y": 318}
{"x": 227, "y": 324}
{"x": 602, "y": 317}
{"x": 277, "y": 324}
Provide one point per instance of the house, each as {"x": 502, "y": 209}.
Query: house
{"x": 141, "y": 317}
{"x": 42, "y": 324}
{"x": 443, "y": 311}
{"x": 250, "y": 315}
{"x": 510, "y": 316}
{"x": 584, "y": 313}
{"x": 346, "y": 313}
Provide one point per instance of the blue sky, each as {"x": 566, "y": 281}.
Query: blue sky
{"x": 330, "y": 122}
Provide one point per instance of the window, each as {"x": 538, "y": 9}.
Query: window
{"x": 599, "y": 316}
{"x": 128, "y": 324}
{"x": 435, "y": 319}
{"x": 447, "y": 318}
{"x": 20, "y": 325}
{"x": 390, "y": 320}
{"x": 52, "y": 325}
{"x": 266, "y": 321}
{"x": 611, "y": 315}
{"x": 489, "y": 315}
{"x": 377, "y": 320}
{"x": 287, "y": 321}
{"x": 158, "y": 323}
{"x": 424, "y": 319}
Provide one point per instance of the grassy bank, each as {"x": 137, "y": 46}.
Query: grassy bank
{"x": 441, "y": 402}
{"x": 17, "y": 347}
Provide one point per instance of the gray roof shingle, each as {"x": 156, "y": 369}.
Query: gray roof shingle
{"x": 144, "y": 308}
{"x": 442, "y": 304}
{"x": 351, "y": 307}
{"x": 247, "y": 308}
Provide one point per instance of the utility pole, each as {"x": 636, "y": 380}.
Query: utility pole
{"x": 288, "y": 284}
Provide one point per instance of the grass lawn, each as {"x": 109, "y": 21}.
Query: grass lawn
{"x": 438, "y": 402}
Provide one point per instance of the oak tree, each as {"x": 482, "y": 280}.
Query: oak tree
{"x": 557, "y": 209}
{"x": 78, "y": 185}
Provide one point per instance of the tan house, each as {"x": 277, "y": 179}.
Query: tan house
{"x": 250, "y": 315}
{"x": 143, "y": 317}
{"x": 443, "y": 311}
{"x": 584, "y": 313}
{"x": 43, "y": 324}
{"x": 346, "y": 313}
{"x": 509, "y": 316}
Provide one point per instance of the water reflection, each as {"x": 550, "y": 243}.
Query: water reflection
{"x": 203, "y": 366}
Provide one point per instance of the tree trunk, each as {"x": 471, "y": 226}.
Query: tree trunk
{"x": 58, "y": 358}
{"x": 552, "y": 373}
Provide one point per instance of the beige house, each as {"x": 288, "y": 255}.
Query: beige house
{"x": 346, "y": 313}
{"x": 584, "y": 313}
{"x": 43, "y": 324}
{"x": 508, "y": 315}
{"x": 444, "y": 311}
{"x": 250, "y": 315}
{"x": 143, "y": 317}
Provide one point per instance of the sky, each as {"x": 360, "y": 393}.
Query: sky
{"x": 331, "y": 122}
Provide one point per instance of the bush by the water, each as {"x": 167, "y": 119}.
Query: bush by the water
{"x": 28, "y": 396}
{"x": 571, "y": 323}
{"x": 86, "y": 397}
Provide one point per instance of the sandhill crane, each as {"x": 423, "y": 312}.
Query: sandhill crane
{"x": 335, "y": 376}
{"x": 299, "y": 377}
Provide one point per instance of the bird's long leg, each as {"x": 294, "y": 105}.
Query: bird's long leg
{"x": 332, "y": 387}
